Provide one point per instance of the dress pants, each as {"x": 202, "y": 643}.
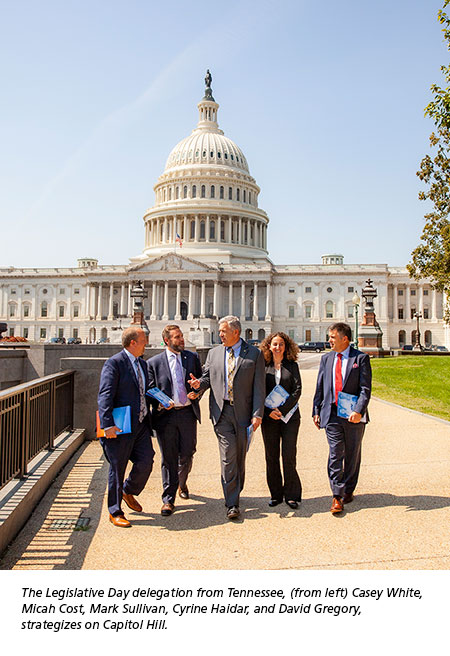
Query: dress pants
{"x": 233, "y": 449}
{"x": 344, "y": 460}
{"x": 275, "y": 434}
{"x": 136, "y": 447}
{"x": 176, "y": 431}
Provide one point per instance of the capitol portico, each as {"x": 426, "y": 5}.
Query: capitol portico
{"x": 206, "y": 255}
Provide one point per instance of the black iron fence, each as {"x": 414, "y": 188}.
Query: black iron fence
{"x": 31, "y": 416}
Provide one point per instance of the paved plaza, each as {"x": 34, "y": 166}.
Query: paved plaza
{"x": 399, "y": 519}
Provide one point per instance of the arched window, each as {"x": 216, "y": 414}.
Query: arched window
{"x": 12, "y": 310}
{"x": 185, "y": 191}
{"x": 237, "y": 194}
{"x": 192, "y": 230}
{"x": 177, "y": 192}
{"x": 244, "y": 196}
{"x": 212, "y": 230}
{"x": 222, "y": 231}
{"x": 44, "y": 309}
{"x": 427, "y": 338}
{"x": 261, "y": 334}
{"x": 413, "y": 337}
{"x": 213, "y": 191}
{"x": 194, "y": 191}
{"x": 329, "y": 309}
{"x": 230, "y": 193}
{"x": 203, "y": 194}
{"x": 401, "y": 338}
{"x": 115, "y": 309}
{"x": 161, "y": 232}
{"x": 221, "y": 192}
{"x": 202, "y": 229}
{"x": 245, "y": 233}
{"x": 61, "y": 311}
{"x": 250, "y": 197}
{"x": 170, "y": 193}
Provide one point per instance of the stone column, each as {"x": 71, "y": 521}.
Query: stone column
{"x": 166, "y": 301}
{"x": 408, "y": 302}
{"x": 215, "y": 299}
{"x": 255, "y": 302}
{"x": 242, "y": 301}
{"x": 268, "y": 316}
{"x": 153, "y": 314}
{"x": 197, "y": 234}
{"x": 164, "y": 239}
{"x": 203, "y": 300}
{"x": 433, "y": 305}
{"x": 87, "y": 300}
{"x": 185, "y": 235}
{"x": 99, "y": 301}
{"x": 158, "y": 223}
{"x": 229, "y": 226}
{"x": 178, "y": 302}
{"x": 122, "y": 298}
{"x": 111, "y": 300}
{"x": 240, "y": 240}
{"x": 395, "y": 302}
{"x": 208, "y": 226}
{"x": 129, "y": 303}
{"x": 230, "y": 297}
{"x": 420, "y": 290}
{"x": 219, "y": 228}
{"x": 191, "y": 301}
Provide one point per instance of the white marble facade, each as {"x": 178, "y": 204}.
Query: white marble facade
{"x": 207, "y": 199}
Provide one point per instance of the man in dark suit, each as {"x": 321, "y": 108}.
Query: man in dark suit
{"x": 123, "y": 382}
{"x": 176, "y": 427}
{"x": 234, "y": 372}
{"x": 348, "y": 370}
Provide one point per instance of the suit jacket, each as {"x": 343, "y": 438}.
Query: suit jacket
{"x": 119, "y": 387}
{"x": 290, "y": 380}
{"x": 248, "y": 383}
{"x": 358, "y": 381}
{"x": 159, "y": 376}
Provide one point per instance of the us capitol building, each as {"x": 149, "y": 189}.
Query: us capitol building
{"x": 206, "y": 255}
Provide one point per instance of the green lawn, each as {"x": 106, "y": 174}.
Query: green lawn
{"x": 418, "y": 382}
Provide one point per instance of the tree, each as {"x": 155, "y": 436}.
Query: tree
{"x": 431, "y": 259}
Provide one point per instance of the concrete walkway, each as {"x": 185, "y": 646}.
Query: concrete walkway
{"x": 400, "y": 518}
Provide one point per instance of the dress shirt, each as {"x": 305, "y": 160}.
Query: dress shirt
{"x": 237, "y": 349}
{"x": 172, "y": 359}
{"x": 134, "y": 364}
{"x": 345, "y": 355}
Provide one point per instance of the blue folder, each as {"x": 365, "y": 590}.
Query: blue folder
{"x": 159, "y": 395}
{"x": 276, "y": 397}
{"x": 122, "y": 418}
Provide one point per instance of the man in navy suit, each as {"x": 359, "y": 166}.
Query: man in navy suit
{"x": 176, "y": 427}
{"x": 123, "y": 382}
{"x": 348, "y": 370}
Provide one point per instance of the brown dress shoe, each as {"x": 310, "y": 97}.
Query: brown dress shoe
{"x": 167, "y": 509}
{"x": 348, "y": 497}
{"x": 184, "y": 494}
{"x": 132, "y": 502}
{"x": 337, "y": 506}
{"x": 119, "y": 520}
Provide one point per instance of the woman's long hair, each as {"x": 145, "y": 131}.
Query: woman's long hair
{"x": 290, "y": 352}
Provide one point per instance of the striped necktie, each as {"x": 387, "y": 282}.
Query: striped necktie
{"x": 231, "y": 368}
{"x": 142, "y": 403}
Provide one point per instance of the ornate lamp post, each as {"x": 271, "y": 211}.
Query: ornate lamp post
{"x": 356, "y": 301}
{"x": 138, "y": 294}
{"x": 417, "y": 346}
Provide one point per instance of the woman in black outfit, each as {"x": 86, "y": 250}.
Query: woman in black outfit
{"x": 280, "y": 354}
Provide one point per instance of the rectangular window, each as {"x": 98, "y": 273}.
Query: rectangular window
{"x": 11, "y": 332}
{"x": 308, "y": 311}
{"x": 307, "y": 335}
{"x": 350, "y": 311}
{"x": 27, "y": 291}
{"x": 61, "y": 310}
{"x": 308, "y": 290}
{"x": 291, "y": 312}
{"x": 26, "y": 310}
{"x": 12, "y": 310}
{"x": 413, "y": 312}
{"x": 75, "y": 332}
{"x": 413, "y": 292}
{"x": 292, "y": 334}
{"x": 62, "y": 290}
{"x": 60, "y": 332}
{"x": 76, "y": 311}
{"x": 13, "y": 291}
{"x": 43, "y": 333}
{"x": 350, "y": 290}
{"x": 291, "y": 290}
{"x": 400, "y": 313}
{"x": 25, "y": 333}
{"x": 425, "y": 313}
{"x": 76, "y": 291}
{"x": 425, "y": 292}
{"x": 400, "y": 292}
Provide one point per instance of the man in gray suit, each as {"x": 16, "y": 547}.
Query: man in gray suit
{"x": 234, "y": 372}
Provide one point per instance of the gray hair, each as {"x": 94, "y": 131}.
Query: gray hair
{"x": 232, "y": 321}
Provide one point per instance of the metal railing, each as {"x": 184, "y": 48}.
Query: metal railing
{"x": 31, "y": 416}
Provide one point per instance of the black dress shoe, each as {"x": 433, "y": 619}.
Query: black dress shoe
{"x": 233, "y": 512}
{"x": 184, "y": 494}
{"x": 292, "y": 504}
{"x": 167, "y": 509}
{"x": 275, "y": 502}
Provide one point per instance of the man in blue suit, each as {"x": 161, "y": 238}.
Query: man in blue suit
{"x": 123, "y": 382}
{"x": 176, "y": 427}
{"x": 348, "y": 370}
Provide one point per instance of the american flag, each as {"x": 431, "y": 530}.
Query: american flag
{"x": 178, "y": 240}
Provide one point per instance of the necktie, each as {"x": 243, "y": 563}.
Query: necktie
{"x": 231, "y": 368}
{"x": 142, "y": 404}
{"x": 338, "y": 377}
{"x": 181, "y": 389}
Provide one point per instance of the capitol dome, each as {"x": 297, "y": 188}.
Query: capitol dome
{"x": 206, "y": 201}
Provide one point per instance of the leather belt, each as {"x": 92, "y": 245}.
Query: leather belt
{"x": 225, "y": 402}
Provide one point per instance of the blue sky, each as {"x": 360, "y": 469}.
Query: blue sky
{"x": 325, "y": 99}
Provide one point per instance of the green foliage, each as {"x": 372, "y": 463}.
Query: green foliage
{"x": 431, "y": 259}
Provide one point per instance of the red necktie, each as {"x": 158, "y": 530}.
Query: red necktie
{"x": 338, "y": 377}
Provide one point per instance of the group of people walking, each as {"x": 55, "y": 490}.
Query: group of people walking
{"x": 241, "y": 379}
